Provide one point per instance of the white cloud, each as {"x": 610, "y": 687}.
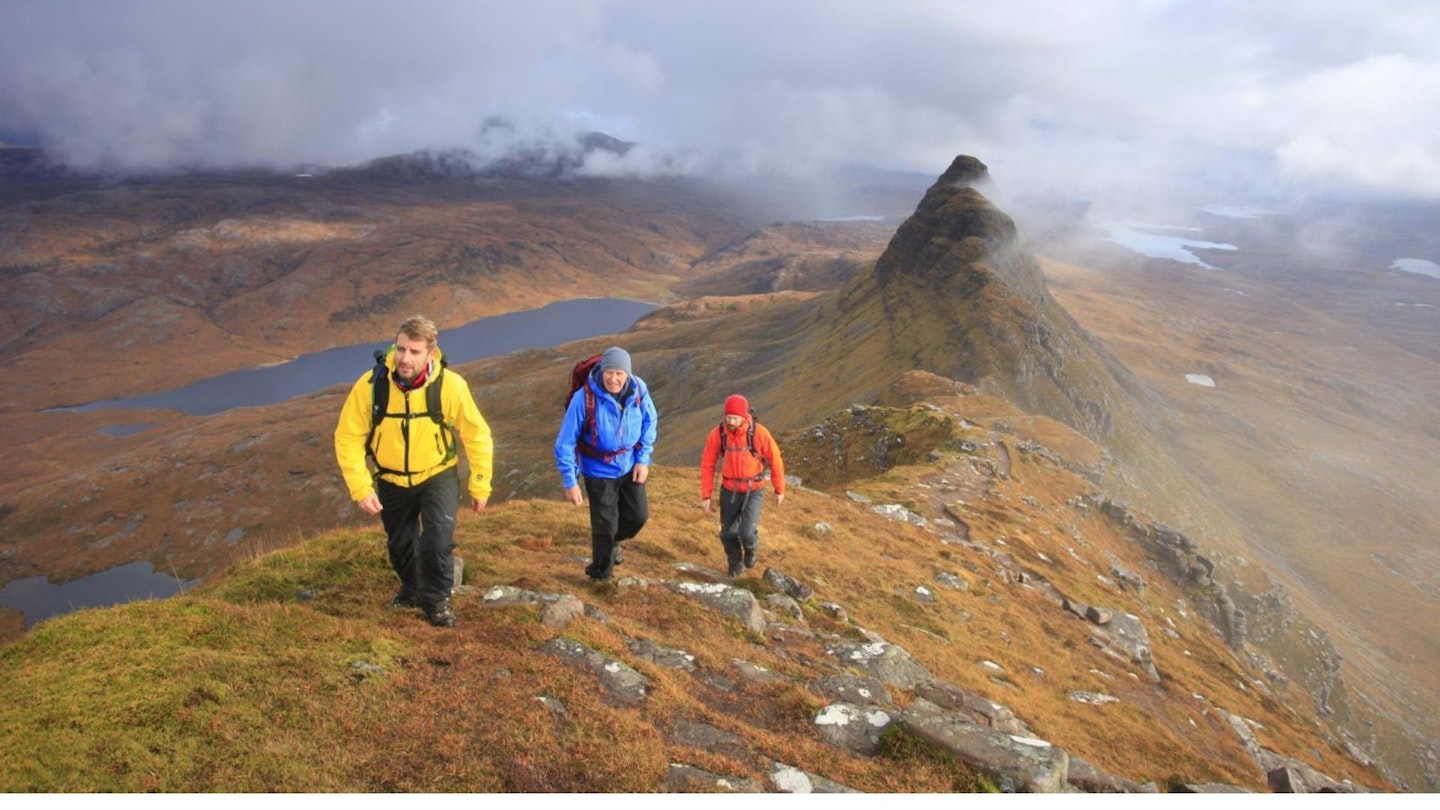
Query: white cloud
{"x": 1089, "y": 97}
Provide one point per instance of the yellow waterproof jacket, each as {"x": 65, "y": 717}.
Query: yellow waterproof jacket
{"x": 414, "y": 448}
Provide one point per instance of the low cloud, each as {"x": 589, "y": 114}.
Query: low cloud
{"x": 1094, "y": 99}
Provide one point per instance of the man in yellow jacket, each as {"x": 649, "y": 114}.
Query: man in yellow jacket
{"x": 401, "y": 464}
{"x": 746, "y": 456}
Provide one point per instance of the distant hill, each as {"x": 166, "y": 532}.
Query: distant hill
{"x": 929, "y": 369}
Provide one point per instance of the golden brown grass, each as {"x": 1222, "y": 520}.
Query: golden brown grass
{"x": 241, "y": 685}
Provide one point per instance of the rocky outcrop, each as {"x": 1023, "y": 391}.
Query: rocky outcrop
{"x": 860, "y": 683}
{"x": 1179, "y": 558}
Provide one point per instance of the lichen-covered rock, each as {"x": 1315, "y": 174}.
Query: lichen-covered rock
{"x": 865, "y": 691}
{"x": 622, "y": 683}
{"x": 727, "y": 599}
{"x": 789, "y": 779}
{"x": 662, "y": 656}
{"x": 978, "y": 709}
{"x": 891, "y": 664}
{"x": 853, "y": 728}
{"x": 1016, "y": 764}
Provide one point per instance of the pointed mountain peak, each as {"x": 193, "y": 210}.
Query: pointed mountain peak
{"x": 964, "y": 171}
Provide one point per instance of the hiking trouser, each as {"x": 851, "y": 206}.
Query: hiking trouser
{"x": 740, "y": 522}
{"x": 618, "y": 511}
{"x": 420, "y": 527}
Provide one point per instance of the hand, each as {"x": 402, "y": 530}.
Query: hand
{"x": 478, "y": 504}
{"x": 779, "y": 498}
{"x": 642, "y": 471}
{"x": 370, "y": 504}
{"x": 572, "y": 494}
{"x": 705, "y": 504}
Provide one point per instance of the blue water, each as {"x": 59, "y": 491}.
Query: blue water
{"x": 552, "y": 325}
{"x": 1420, "y": 266}
{"x": 39, "y": 600}
{"x": 1163, "y": 245}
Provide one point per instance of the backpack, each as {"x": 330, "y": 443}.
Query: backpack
{"x": 589, "y": 433}
{"x": 750, "y": 445}
{"x": 749, "y": 436}
{"x": 380, "y": 404}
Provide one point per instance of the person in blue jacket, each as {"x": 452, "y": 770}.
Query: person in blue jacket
{"x": 606, "y": 438}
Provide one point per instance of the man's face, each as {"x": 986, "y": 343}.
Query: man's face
{"x": 733, "y": 421}
{"x": 614, "y": 380}
{"x": 411, "y": 357}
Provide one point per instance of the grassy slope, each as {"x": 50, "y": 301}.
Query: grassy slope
{"x": 244, "y": 686}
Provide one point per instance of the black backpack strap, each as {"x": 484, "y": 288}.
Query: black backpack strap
{"x": 380, "y": 403}
{"x": 436, "y": 410}
{"x": 379, "y": 398}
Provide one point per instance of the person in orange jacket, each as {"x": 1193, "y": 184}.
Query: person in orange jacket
{"x": 747, "y": 456}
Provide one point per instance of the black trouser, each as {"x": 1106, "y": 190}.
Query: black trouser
{"x": 420, "y": 523}
{"x": 740, "y": 522}
{"x": 618, "y": 511}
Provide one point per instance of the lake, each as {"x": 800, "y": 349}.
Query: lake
{"x": 39, "y": 600}
{"x": 553, "y": 325}
{"x": 549, "y": 326}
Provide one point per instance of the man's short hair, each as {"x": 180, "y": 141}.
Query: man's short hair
{"x": 419, "y": 327}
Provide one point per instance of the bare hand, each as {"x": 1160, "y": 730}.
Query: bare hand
{"x": 779, "y": 498}
{"x": 370, "y": 504}
{"x": 642, "y": 471}
{"x": 705, "y": 504}
{"x": 478, "y": 504}
{"x": 572, "y": 494}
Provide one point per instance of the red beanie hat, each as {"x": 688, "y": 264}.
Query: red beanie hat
{"x": 736, "y": 405}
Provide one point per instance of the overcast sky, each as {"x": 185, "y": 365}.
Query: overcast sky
{"x": 1061, "y": 94}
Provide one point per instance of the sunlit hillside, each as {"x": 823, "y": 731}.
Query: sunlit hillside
{"x": 285, "y": 673}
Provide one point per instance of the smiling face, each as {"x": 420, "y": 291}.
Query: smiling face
{"x": 614, "y": 380}
{"x": 412, "y": 355}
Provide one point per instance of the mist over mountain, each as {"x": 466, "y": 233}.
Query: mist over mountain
{"x": 926, "y": 360}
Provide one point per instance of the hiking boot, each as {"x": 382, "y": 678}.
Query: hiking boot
{"x": 749, "y": 558}
{"x": 401, "y": 600}
{"x": 441, "y": 615}
{"x": 735, "y": 570}
{"x": 618, "y": 557}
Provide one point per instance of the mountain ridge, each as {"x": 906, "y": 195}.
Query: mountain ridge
{"x": 817, "y": 351}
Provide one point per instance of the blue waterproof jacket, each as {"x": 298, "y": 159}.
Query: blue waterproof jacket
{"x": 625, "y": 426}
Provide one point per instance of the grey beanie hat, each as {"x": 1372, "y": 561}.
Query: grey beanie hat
{"x": 615, "y": 358}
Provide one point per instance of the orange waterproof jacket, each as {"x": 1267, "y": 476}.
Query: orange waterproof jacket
{"x": 740, "y": 468}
